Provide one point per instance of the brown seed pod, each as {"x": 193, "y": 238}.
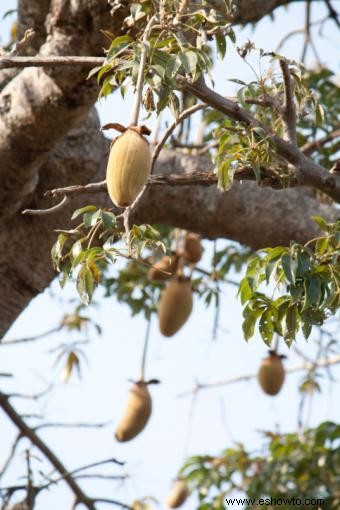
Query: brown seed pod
{"x": 128, "y": 167}
{"x": 167, "y": 264}
{"x": 271, "y": 374}
{"x": 193, "y": 250}
{"x": 175, "y": 306}
{"x": 178, "y": 494}
{"x": 137, "y": 413}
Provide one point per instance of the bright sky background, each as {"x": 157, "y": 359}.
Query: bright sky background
{"x": 176, "y": 429}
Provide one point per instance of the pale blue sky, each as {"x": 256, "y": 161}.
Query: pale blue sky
{"x": 233, "y": 413}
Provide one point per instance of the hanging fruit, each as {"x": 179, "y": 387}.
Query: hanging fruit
{"x": 271, "y": 374}
{"x": 193, "y": 250}
{"x": 137, "y": 413}
{"x": 129, "y": 165}
{"x": 175, "y": 305}
{"x": 178, "y": 494}
{"x": 164, "y": 268}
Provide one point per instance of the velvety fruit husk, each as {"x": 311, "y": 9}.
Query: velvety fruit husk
{"x": 175, "y": 306}
{"x": 158, "y": 273}
{"x": 271, "y": 374}
{"x": 178, "y": 494}
{"x": 128, "y": 167}
{"x": 137, "y": 413}
{"x": 192, "y": 248}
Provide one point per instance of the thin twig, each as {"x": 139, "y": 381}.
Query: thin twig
{"x": 53, "y": 459}
{"x": 51, "y": 210}
{"x": 168, "y": 132}
{"x": 247, "y": 377}
{"x": 315, "y": 145}
{"x": 10, "y": 455}
{"x": 30, "y": 338}
{"x": 140, "y": 78}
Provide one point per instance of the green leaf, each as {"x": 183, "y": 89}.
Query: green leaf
{"x": 87, "y": 208}
{"x": 244, "y": 291}
{"x": 312, "y": 292}
{"x": 109, "y": 219}
{"x": 189, "y": 61}
{"x": 118, "y": 45}
{"x": 85, "y": 285}
{"x": 266, "y": 327}
{"x": 221, "y": 45}
{"x": 303, "y": 264}
{"x": 322, "y": 245}
{"x": 322, "y": 223}
{"x": 288, "y": 267}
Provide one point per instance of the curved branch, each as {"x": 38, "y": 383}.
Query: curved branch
{"x": 309, "y": 173}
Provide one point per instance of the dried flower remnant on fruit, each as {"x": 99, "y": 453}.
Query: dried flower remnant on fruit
{"x": 137, "y": 413}
{"x": 164, "y": 269}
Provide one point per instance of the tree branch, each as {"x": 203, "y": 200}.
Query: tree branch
{"x": 168, "y": 132}
{"x": 309, "y": 173}
{"x": 315, "y": 145}
{"x": 26, "y": 431}
{"x": 7, "y": 61}
{"x": 289, "y": 109}
{"x": 327, "y": 362}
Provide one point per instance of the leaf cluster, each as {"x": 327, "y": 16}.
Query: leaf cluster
{"x": 290, "y": 465}
{"x": 307, "y": 278}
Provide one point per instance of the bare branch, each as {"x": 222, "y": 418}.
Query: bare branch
{"x": 53, "y": 459}
{"x": 247, "y": 377}
{"x": 333, "y": 13}
{"x": 51, "y": 210}
{"x": 10, "y": 455}
{"x": 16, "y": 341}
{"x": 73, "y": 425}
{"x": 315, "y": 145}
{"x": 14, "y": 61}
{"x": 289, "y": 109}
{"x": 168, "y": 132}
{"x": 309, "y": 173}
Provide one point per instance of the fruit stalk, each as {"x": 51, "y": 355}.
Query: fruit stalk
{"x": 140, "y": 78}
{"x": 145, "y": 349}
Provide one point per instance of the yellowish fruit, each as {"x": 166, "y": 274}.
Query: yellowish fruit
{"x": 271, "y": 374}
{"x": 137, "y": 413}
{"x": 192, "y": 248}
{"x": 158, "y": 272}
{"x": 128, "y": 167}
{"x": 175, "y": 306}
{"x": 178, "y": 494}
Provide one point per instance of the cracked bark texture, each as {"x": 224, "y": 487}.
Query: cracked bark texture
{"x": 49, "y": 137}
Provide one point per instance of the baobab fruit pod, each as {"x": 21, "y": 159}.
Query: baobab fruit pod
{"x": 178, "y": 494}
{"x": 271, "y": 374}
{"x": 137, "y": 413}
{"x": 193, "y": 250}
{"x": 175, "y": 306}
{"x": 128, "y": 167}
{"x": 158, "y": 273}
